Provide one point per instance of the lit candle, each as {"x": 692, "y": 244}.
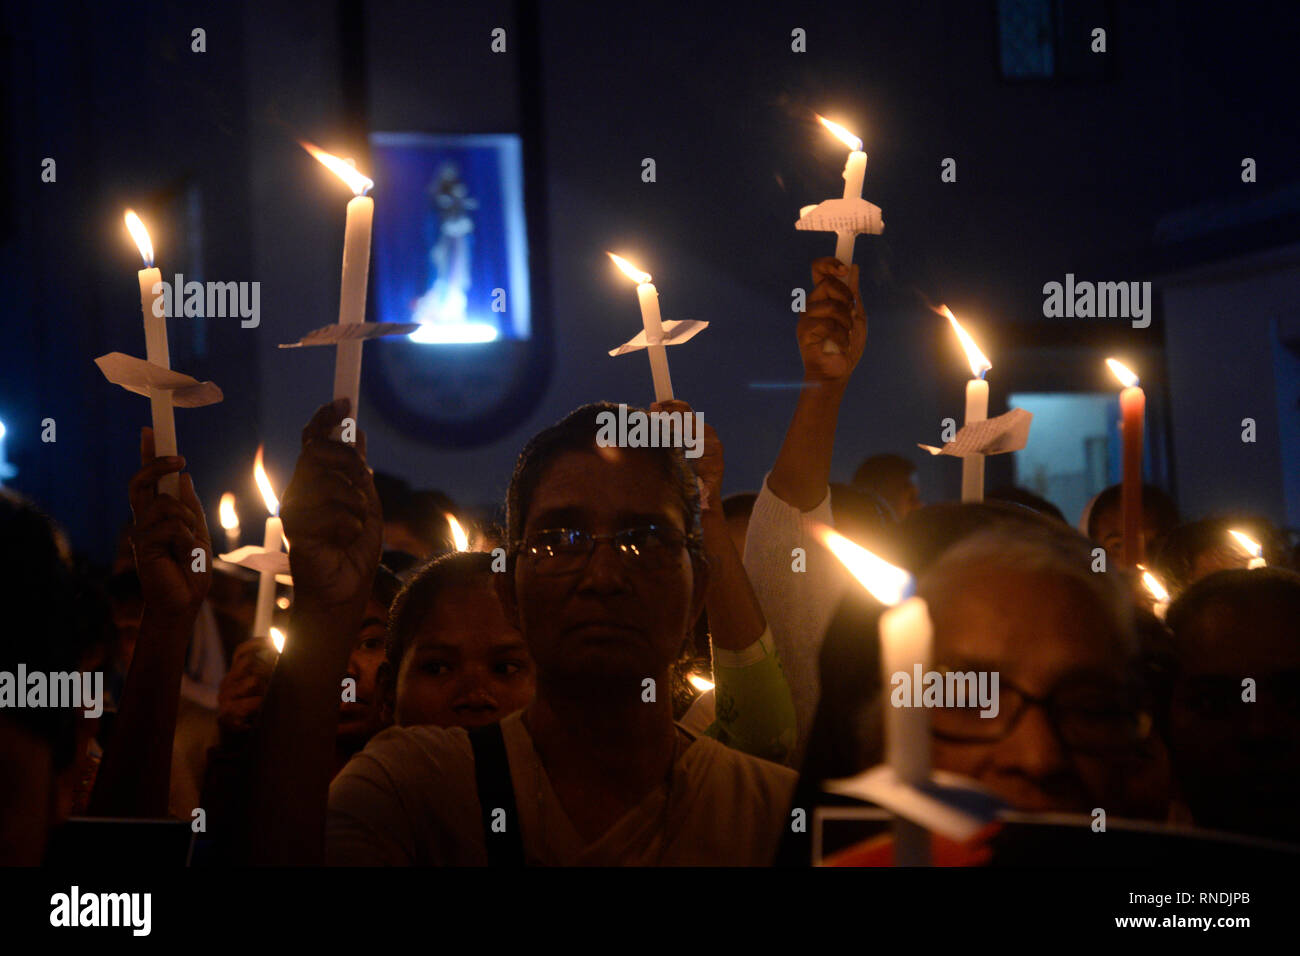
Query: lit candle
{"x": 156, "y": 351}
{"x": 1252, "y": 547}
{"x": 229, "y": 520}
{"x": 648, "y": 296}
{"x": 458, "y": 536}
{"x": 906, "y": 640}
{"x": 277, "y": 639}
{"x": 271, "y": 545}
{"x": 977, "y": 409}
{"x": 1132, "y": 407}
{"x": 356, "y": 271}
{"x": 1159, "y": 596}
{"x": 855, "y": 170}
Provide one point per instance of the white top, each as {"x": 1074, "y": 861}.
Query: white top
{"x": 798, "y": 606}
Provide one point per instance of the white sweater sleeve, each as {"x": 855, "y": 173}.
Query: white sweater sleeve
{"x": 798, "y": 605}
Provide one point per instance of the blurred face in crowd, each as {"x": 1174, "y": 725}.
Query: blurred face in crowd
{"x": 1049, "y": 641}
{"x": 611, "y": 618}
{"x": 1108, "y": 531}
{"x": 1238, "y": 762}
{"x": 465, "y": 666}
{"x": 363, "y": 718}
{"x": 905, "y": 498}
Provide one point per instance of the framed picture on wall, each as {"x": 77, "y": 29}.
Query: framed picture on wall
{"x": 451, "y": 241}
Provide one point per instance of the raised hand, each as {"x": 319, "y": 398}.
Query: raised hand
{"x": 834, "y": 311}
{"x": 709, "y": 466}
{"x": 166, "y": 534}
{"x": 332, "y": 517}
{"x": 239, "y": 699}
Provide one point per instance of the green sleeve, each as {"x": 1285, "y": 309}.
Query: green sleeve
{"x": 754, "y": 712}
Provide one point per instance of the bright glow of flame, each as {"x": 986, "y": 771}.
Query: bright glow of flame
{"x": 359, "y": 184}
{"x": 282, "y": 603}
{"x": 887, "y": 584}
{"x": 1252, "y": 546}
{"x": 701, "y": 683}
{"x": 458, "y": 534}
{"x": 229, "y": 517}
{"x": 1154, "y": 586}
{"x": 141, "y": 236}
{"x": 1126, "y": 378}
{"x": 264, "y": 485}
{"x": 629, "y": 270}
{"x": 979, "y": 363}
{"x": 454, "y": 333}
{"x": 277, "y": 638}
{"x": 843, "y": 135}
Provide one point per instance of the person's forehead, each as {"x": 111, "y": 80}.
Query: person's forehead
{"x": 603, "y": 481}
{"x": 1030, "y": 625}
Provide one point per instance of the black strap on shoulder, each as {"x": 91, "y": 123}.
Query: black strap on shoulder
{"x": 496, "y": 797}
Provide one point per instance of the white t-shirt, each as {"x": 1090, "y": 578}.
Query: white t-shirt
{"x": 410, "y": 799}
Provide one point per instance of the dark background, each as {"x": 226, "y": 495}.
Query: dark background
{"x": 1123, "y": 166}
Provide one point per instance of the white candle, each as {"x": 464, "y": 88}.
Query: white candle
{"x": 906, "y": 636}
{"x": 906, "y": 643}
{"x": 156, "y": 351}
{"x": 266, "y": 580}
{"x": 356, "y": 271}
{"x": 972, "y": 466}
{"x": 648, "y": 296}
{"x": 271, "y": 545}
{"x": 352, "y": 296}
{"x": 977, "y": 407}
{"x": 855, "y": 170}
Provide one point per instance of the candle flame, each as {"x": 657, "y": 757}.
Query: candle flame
{"x": 887, "y": 584}
{"x": 843, "y": 135}
{"x": 1126, "y": 377}
{"x": 629, "y": 270}
{"x": 1153, "y": 585}
{"x": 458, "y": 534}
{"x": 1255, "y": 549}
{"x": 979, "y": 363}
{"x": 264, "y": 484}
{"x": 141, "y": 236}
{"x": 701, "y": 683}
{"x": 277, "y": 638}
{"x": 342, "y": 168}
{"x": 229, "y": 517}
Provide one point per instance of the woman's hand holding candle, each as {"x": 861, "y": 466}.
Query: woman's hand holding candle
{"x": 164, "y": 535}
{"x": 833, "y": 311}
{"x": 332, "y": 518}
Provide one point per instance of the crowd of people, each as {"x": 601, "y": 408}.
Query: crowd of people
{"x": 535, "y": 701}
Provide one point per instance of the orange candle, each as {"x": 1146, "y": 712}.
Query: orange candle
{"x": 1132, "y": 407}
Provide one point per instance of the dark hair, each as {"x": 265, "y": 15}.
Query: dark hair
{"x": 424, "y": 512}
{"x": 1175, "y": 559}
{"x": 386, "y": 586}
{"x": 884, "y": 473}
{"x": 47, "y": 627}
{"x": 1239, "y": 590}
{"x": 577, "y": 432}
{"x": 416, "y": 599}
{"x": 1015, "y": 495}
{"x": 1156, "y": 503}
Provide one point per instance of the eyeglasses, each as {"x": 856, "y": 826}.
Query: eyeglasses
{"x": 1089, "y": 718}
{"x": 566, "y": 550}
